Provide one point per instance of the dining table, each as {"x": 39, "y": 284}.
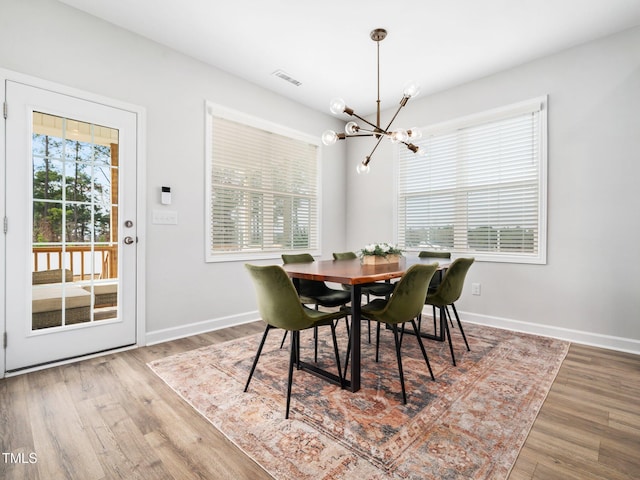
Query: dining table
{"x": 355, "y": 273}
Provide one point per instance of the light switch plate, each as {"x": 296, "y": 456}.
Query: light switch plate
{"x": 164, "y": 217}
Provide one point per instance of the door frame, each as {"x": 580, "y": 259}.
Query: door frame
{"x": 140, "y": 206}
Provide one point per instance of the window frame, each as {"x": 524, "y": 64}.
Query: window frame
{"x": 539, "y": 104}
{"x": 215, "y": 110}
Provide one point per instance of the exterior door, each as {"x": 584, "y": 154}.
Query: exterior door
{"x": 70, "y": 226}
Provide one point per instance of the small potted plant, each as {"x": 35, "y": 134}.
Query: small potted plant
{"x": 376, "y": 253}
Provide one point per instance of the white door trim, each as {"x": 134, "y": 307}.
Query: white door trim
{"x": 140, "y": 113}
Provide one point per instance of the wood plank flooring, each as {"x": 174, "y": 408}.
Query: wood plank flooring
{"x": 589, "y": 425}
{"x": 111, "y": 418}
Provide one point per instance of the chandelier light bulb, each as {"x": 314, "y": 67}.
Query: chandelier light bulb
{"x": 329, "y": 137}
{"x": 337, "y": 106}
{"x": 351, "y": 128}
{"x": 422, "y": 152}
{"x": 399, "y": 135}
{"x": 414, "y": 133}
{"x": 411, "y": 89}
{"x": 363, "y": 168}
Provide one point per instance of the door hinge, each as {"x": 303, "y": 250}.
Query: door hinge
{"x": 6, "y": 224}
{"x": 4, "y": 110}
{"x": 4, "y": 339}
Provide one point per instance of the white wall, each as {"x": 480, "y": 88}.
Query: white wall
{"x": 590, "y": 288}
{"x": 52, "y": 41}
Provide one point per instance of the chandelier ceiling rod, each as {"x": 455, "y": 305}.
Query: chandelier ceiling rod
{"x": 352, "y": 129}
{"x": 378, "y": 35}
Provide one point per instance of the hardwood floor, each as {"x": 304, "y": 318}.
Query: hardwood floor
{"x": 589, "y": 425}
{"x": 110, "y": 417}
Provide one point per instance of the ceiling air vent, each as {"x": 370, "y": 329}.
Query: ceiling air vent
{"x": 285, "y": 76}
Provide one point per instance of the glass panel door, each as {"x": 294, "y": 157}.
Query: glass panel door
{"x": 71, "y": 178}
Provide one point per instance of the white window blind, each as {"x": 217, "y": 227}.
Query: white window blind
{"x": 481, "y": 188}
{"x": 262, "y": 188}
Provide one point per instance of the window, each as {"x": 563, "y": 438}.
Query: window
{"x": 262, "y": 188}
{"x": 481, "y": 188}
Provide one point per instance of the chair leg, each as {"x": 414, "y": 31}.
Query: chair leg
{"x": 435, "y": 327}
{"x": 284, "y": 337}
{"x": 297, "y": 352}
{"x": 449, "y": 316}
{"x": 295, "y": 336}
{"x": 399, "y": 358}
{"x": 315, "y": 344}
{"x": 424, "y": 352}
{"x": 445, "y": 324}
{"x": 464, "y": 337}
{"x": 377, "y": 341}
{"x": 255, "y": 360}
{"x": 337, "y": 352}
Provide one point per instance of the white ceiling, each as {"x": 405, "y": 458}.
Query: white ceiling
{"x": 326, "y": 46}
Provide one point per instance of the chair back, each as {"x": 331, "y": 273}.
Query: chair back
{"x": 450, "y": 288}
{"x": 408, "y": 297}
{"x": 278, "y": 301}
{"x": 297, "y": 258}
{"x": 344, "y": 256}
{"x": 308, "y": 288}
{"x": 434, "y": 254}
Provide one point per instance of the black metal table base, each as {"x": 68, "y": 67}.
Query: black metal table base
{"x": 324, "y": 374}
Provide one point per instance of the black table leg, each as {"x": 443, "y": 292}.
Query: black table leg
{"x": 356, "y": 299}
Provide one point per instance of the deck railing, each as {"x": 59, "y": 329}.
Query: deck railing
{"x": 85, "y": 261}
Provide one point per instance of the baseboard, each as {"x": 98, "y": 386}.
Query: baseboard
{"x": 205, "y": 326}
{"x": 577, "y": 336}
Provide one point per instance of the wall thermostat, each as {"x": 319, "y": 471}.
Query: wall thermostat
{"x": 165, "y": 198}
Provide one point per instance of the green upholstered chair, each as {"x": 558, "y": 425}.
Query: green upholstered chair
{"x": 435, "y": 281}
{"x": 437, "y": 278}
{"x": 344, "y": 255}
{"x": 447, "y": 293}
{"x": 280, "y": 307}
{"x": 434, "y": 254}
{"x": 404, "y": 306}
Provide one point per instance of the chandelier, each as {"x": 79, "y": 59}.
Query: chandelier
{"x": 352, "y": 129}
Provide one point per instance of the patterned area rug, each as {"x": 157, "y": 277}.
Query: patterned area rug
{"x": 469, "y": 424}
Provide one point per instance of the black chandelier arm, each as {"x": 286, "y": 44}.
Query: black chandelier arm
{"x": 375, "y": 127}
{"x": 344, "y": 136}
{"x": 366, "y": 132}
{"x": 360, "y": 135}
{"x": 403, "y": 102}
{"x": 366, "y": 162}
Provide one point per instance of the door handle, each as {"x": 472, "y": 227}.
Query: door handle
{"x": 129, "y": 240}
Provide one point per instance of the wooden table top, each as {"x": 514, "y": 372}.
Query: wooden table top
{"x": 353, "y": 272}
